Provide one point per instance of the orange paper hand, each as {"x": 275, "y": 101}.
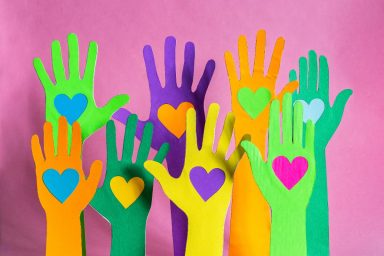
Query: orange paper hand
{"x": 252, "y": 94}
{"x": 63, "y": 190}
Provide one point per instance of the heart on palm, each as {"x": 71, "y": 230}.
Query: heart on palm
{"x": 126, "y": 192}
{"x": 313, "y": 110}
{"x": 73, "y": 108}
{"x": 206, "y": 184}
{"x": 253, "y": 103}
{"x": 174, "y": 119}
{"x": 61, "y": 185}
{"x": 290, "y": 173}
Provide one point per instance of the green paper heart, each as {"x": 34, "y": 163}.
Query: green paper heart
{"x": 253, "y": 103}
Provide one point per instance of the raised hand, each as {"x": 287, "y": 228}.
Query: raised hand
{"x": 169, "y": 104}
{"x": 203, "y": 190}
{"x": 62, "y": 187}
{"x": 72, "y": 96}
{"x": 252, "y": 94}
{"x": 313, "y": 93}
{"x": 286, "y": 179}
{"x": 126, "y": 195}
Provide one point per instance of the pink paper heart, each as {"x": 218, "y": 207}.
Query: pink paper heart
{"x": 290, "y": 173}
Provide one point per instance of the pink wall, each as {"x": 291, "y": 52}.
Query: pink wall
{"x": 350, "y": 33}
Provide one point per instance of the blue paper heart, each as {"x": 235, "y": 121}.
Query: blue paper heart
{"x": 61, "y": 186}
{"x": 313, "y": 111}
{"x": 73, "y": 108}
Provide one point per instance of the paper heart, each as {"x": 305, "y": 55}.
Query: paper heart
{"x": 290, "y": 173}
{"x": 313, "y": 111}
{"x": 206, "y": 184}
{"x": 73, "y": 108}
{"x": 253, "y": 103}
{"x": 61, "y": 185}
{"x": 174, "y": 119}
{"x": 126, "y": 192}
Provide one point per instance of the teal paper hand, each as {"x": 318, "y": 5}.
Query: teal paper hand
{"x": 286, "y": 179}
{"x": 314, "y": 91}
{"x": 72, "y": 96}
{"x": 126, "y": 195}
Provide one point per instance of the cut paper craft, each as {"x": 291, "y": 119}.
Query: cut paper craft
{"x": 168, "y": 91}
{"x": 174, "y": 119}
{"x": 290, "y": 173}
{"x": 254, "y": 103}
{"x": 73, "y": 108}
{"x": 288, "y": 203}
{"x": 63, "y": 188}
{"x": 313, "y": 111}
{"x": 314, "y": 85}
{"x": 72, "y": 95}
{"x": 61, "y": 185}
{"x": 206, "y": 218}
{"x": 126, "y": 192}
{"x": 250, "y": 214}
{"x": 125, "y": 198}
{"x": 207, "y": 184}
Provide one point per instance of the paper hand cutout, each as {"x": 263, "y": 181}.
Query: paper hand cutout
{"x": 62, "y": 187}
{"x": 203, "y": 190}
{"x": 286, "y": 179}
{"x": 126, "y": 195}
{"x": 169, "y": 104}
{"x": 252, "y": 94}
{"x": 72, "y": 96}
{"x": 314, "y": 92}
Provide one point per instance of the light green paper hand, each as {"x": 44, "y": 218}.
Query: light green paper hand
{"x": 288, "y": 195}
{"x": 73, "y": 96}
{"x": 314, "y": 86}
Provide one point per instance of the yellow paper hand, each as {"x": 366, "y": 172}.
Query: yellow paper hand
{"x": 203, "y": 190}
{"x": 252, "y": 94}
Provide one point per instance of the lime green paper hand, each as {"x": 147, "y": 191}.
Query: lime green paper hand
{"x": 203, "y": 190}
{"x": 126, "y": 195}
{"x": 286, "y": 179}
{"x": 314, "y": 94}
{"x": 73, "y": 97}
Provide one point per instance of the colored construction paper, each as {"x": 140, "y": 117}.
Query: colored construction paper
{"x": 170, "y": 93}
{"x": 288, "y": 205}
{"x": 313, "y": 110}
{"x": 253, "y": 103}
{"x": 63, "y": 189}
{"x": 61, "y": 185}
{"x": 250, "y": 213}
{"x": 314, "y": 86}
{"x": 174, "y": 119}
{"x": 92, "y": 117}
{"x": 73, "y": 108}
{"x": 204, "y": 201}
{"x": 206, "y": 183}
{"x": 125, "y": 198}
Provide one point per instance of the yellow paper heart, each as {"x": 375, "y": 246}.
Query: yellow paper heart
{"x": 126, "y": 192}
{"x": 174, "y": 119}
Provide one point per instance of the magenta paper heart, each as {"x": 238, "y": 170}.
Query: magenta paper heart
{"x": 206, "y": 184}
{"x": 290, "y": 173}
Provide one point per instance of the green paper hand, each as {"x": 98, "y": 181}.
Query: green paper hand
{"x": 126, "y": 195}
{"x": 287, "y": 186}
{"x": 314, "y": 85}
{"x": 73, "y": 97}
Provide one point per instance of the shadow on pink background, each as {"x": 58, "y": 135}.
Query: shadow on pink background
{"x": 349, "y": 33}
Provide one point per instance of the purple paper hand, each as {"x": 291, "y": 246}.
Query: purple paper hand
{"x": 174, "y": 96}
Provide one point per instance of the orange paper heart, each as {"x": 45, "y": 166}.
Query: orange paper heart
{"x": 174, "y": 119}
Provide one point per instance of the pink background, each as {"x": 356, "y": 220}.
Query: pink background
{"x": 349, "y": 33}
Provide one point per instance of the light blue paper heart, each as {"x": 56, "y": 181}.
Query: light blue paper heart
{"x": 313, "y": 111}
{"x": 73, "y": 108}
{"x": 61, "y": 186}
